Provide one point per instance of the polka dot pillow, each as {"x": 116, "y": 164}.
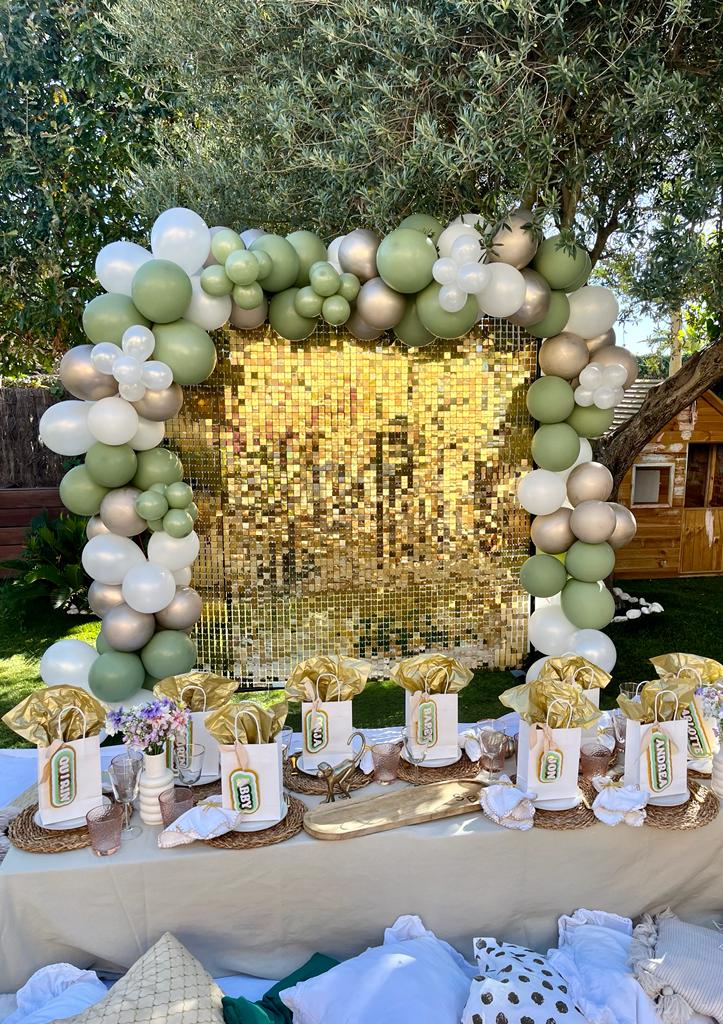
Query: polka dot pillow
{"x": 517, "y": 986}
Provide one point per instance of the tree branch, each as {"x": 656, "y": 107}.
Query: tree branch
{"x": 701, "y": 372}
{"x": 602, "y": 236}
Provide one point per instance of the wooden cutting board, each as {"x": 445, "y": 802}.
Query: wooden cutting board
{"x": 412, "y": 805}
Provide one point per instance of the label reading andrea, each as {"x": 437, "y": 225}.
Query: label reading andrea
{"x": 660, "y": 764}
{"x": 316, "y": 731}
{"x": 245, "y": 790}
{"x": 62, "y": 777}
{"x": 698, "y": 742}
{"x": 427, "y": 723}
{"x": 550, "y": 767}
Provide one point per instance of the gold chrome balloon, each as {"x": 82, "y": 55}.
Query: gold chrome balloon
{"x": 360, "y": 329}
{"x": 589, "y": 482}
{"x": 379, "y": 305}
{"x": 564, "y": 355}
{"x": 358, "y": 253}
{"x": 104, "y": 596}
{"x": 536, "y": 302}
{"x": 552, "y": 533}
{"x": 601, "y": 341}
{"x": 80, "y": 377}
{"x": 183, "y": 611}
{"x": 160, "y": 405}
{"x": 118, "y": 512}
{"x": 625, "y": 526}
{"x": 513, "y": 243}
{"x": 125, "y": 629}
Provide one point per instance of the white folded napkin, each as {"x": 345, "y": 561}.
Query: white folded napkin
{"x": 206, "y": 820}
{"x": 617, "y": 803}
{"x": 507, "y": 805}
{"x": 470, "y": 744}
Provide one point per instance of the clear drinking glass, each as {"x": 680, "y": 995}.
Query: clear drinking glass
{"x": 595, "y": 759}
{"x": 189, "y": 763}
{"x": 385, "y": 758}
{"x": 175, "y": 802}
{"x": 104, "y": 825}
{"x": 287, "y": 737}
{"x": 124, "y": 772}
{"x": 629, "y": 690}
{"x": 619, "y": 727}
{"x": 494, "y": 749}
{"x": 415, "y": 759}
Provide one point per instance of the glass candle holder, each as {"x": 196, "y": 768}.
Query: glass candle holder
{"x": 385, "y": 758}
{"x": 175, "y": 802}
{"x": 104, "y": 825}
{"x": 595, "y": 759}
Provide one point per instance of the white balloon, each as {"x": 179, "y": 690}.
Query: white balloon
{"x": 127, "y": 370}
{"x": 149, "y": 434}
{"x": 182, "y": 576}
{"x": 593, "y": 310}
{"x": 138, "y": 342}
{"x": 148, "y": 587}
{"x": 583, "y": 397}
{"x": 550, "y": 631}
{"x": 472, "y": 277}
{"x": 156, "y": 376}
{"x": 181, "y": 236}
{"x": 207, "y": 311}
{"x": 132, "y": 392}
{"x": 591, "y": 377}
{"x": 475, "y": 220}
{"x": 535, "y": 669}
{"x": 466, "y": 249}
{"x": 95, "y": 527}
{"x": 444, "y": 270}
{"x": 116, "y": 265}
{"x": 450, "y": 235}
{"x": 614, "y": 376}
{"x": 504, "y": 292}
{"x": 596, "y": 646}
{"x": 113, "y": 420}
{"x": 67, "y": 663}
{"x": 608, "y": 398}
{"x": 104, "y": 355}
{"x": 541, "y": 491}
{"x": 173, "y": 552}
{"x": 107, "y": 558}
{"x": 251, "y": 234}
{"x": 64, "y": 428}
{"x": 332, "y": 253}
{"x": 451, "y": 298}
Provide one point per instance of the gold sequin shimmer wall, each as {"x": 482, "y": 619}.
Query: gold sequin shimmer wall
{"x": 357, "y": 498}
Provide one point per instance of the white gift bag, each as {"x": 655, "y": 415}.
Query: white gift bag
{"x": 656, "y": 758}
{"x": 548, "y": 762}
{"x": 326, "y": 726}
{"x": 702, "y": 740}
{"x": 431, "y": 722}
{"x": 69, "y": 778}
{"x": 196, "y": 732}
{"x": 252, "y": 781}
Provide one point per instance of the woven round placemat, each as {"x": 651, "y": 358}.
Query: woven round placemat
{"x": 26, "y": 835}
{"x": 693, "y": 774}
{"x": 311, "y": 785}
{"x": 700, "y": 810}
{"x": 286, "y": 829}
{"x": 576, "y": 817}
{"x": 206, "y": 789}
{"x": 421, "y": 776}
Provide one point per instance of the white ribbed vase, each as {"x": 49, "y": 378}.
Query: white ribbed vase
{"x": 156, "y": 778}
{"x": 716, "y": 778}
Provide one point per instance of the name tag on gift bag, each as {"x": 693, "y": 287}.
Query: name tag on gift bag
{"x": 326, "y": 728}
{"x": 252, "y": 780}
{"x": 69, "y": 777}
{"x": 656, "y": 757}
{"x": 548, "y": 762}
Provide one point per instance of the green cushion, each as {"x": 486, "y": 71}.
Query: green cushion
{"x": 270, "y": 1009}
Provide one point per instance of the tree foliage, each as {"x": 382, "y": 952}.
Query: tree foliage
{"x": 71, "y": 122}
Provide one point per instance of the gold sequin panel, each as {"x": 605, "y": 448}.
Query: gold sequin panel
{"x": 358, "y": 498}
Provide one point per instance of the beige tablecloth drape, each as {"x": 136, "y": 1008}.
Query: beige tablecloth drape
{"x": 265, "y": 911}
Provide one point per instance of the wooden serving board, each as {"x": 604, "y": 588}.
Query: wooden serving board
{"x": 409, "y": 806}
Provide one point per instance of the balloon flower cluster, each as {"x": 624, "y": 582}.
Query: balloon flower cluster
{"x": 423, "y": 280}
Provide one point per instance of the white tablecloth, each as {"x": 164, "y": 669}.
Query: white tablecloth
{"x": 264, "y": 911}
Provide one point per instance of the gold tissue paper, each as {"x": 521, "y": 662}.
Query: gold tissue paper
{"x": 573, "y": 668}
{"x": 661, "y": 700}
{"x": 197, "y": 691}
{"x": 560, "y": 703}
{"x": 56, "y": 713}
{"x": 247, "y": 722}
{"x": 705, "y": 671}
{"x": 431, "y": 673}
{"x": 327, "y": 677}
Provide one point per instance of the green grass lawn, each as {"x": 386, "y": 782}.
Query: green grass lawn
{"x": 692, "y": 622}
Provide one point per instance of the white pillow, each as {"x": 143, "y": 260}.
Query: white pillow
{"x": 56, "y": 992}
{"x": 412, "y": 977}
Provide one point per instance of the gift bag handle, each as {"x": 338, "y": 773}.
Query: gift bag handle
{"x": 565, "y": 703}
{"x": 435, "y": 668}
{"x": 195, "y": 686}
{"x": 328, "y": 675}
{"x": 71, "y": 707}
{"x": 250, "y": 709}
{"x": 583, "y": 668}
{"x": 658, "y": 695}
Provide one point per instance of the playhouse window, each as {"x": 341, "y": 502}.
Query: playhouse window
{"x": 704, "y": 477}
{"x": 652, "y": 485}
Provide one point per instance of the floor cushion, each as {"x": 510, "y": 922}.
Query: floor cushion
{"x": 270, "y": 1009}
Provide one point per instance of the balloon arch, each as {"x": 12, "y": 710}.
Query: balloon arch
{"x": 148, "y": 336}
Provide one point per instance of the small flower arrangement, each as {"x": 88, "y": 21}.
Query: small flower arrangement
{"x": 148, "y": 727}
{"x": 711, "y": 700}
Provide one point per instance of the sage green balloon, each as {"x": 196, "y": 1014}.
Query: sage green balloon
{"x": 559, "y": 263}
{"x": 554, "y": 320}
{"x": 187, "y": 349}
{"x": 177, "y": 522}
{"x": 80, "y": 493}
{"x": 405, "y": 259}
{"x": 248, "y": 296}
{"x": 308, "y": 302}
{"x": 555, "y": 446}
{"x": 550, "y": 400}
{"x": 284, "y": 262}
{"x": 265, "y": 265}
{"x": 161, "y": 290}
{"x": 285, "y": 320}
{"x": 154, "y": 525}
{"x": 349, "y": 286}
{"x": 111, "y": 465}
{"x": 224, "y": 242}
{"x": 157, "y": 466}
{"x": 242, "y": 267}
{"x": 310, "y": 249}
{"x": 587, "y": 605}
{"x": 115, "y": 676}
{"x": 101, "y": 644}
{"x": 179, "y": 495}
{"x": 324, "y": 279}
{"x": 582, "y": 277}
{"x": 192, "y": 510}
{"x": 168, "y": 653}
{"x": 149, "y": 682}
{"x": 441, "y": 323}
{"x": 410, "y": 330}
{"x": 215, "y": 281}
{"x": 336, "y": 310}
{"x": 589, "y": 421}
{"x": 108, "y": 317}
{"x": 543, "y": 576}
{"x": 151, "y": 505}
{"x": 590, "y": 562}
{"x": 160, "y": 487}
{"x": 425, "y": 223}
